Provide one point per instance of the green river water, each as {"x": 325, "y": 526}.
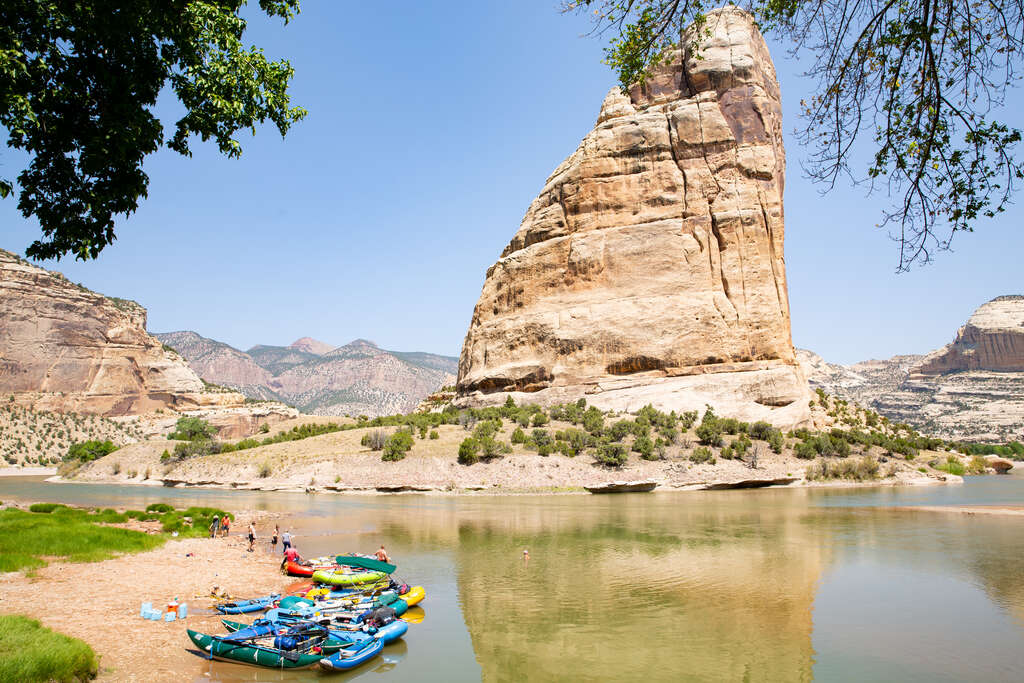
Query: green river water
{"x": 769, "y": 585}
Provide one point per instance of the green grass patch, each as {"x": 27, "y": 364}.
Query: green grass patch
{"x": 30, "y": 652}
{"x": 77, "y": 535}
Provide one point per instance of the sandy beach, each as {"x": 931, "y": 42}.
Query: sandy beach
{"x": 99, "y": 602}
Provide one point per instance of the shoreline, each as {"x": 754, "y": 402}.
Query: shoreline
{"x": 106, "y": 617}
{"x": 747, "y": 483}
{"x": 27, "y": 471}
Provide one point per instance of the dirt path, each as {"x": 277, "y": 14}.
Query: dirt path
{"x": 99, "y": 602}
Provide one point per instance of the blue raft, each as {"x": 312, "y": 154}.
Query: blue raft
{"x": 247, "y": 606}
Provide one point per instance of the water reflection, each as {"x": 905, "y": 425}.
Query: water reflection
{"x": 780, "y": 585}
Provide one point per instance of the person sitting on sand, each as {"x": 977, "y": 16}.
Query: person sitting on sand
{"x": 291, "y": 555}
{"x": 252, "y": 536}
{"x": 382, "y": 555}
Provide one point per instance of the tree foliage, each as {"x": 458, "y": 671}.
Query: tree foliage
{"x": 924, "y": 79}
{"x": 78, "y": 85}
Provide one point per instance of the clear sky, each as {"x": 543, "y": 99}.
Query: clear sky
{"x": 432, "y": 127}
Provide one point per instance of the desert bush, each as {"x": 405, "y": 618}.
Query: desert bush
{"x": 775, "y": 441}
{"x": 571, "y": 442}
{"x": 264, "y": 428}
{"x": 539, "y": 420}
{"x": 977, "y": 465}
{"x": 374, "y": 440}
{"x": 434, "y": 435}
{"x": 611, "y": 454}
{"x": 702, "y": 454}
{"x": 265, "y": 470}
{"x": 709, "y": 431}
{"x": 518, "y": 435}
{"x": 397, "y": 445}
{"x": 468, "y": 450}
{"x": 593, "y": 420}
{"x": 620, "y": 429}
{"x": 860, "y": 469}
{"x": 805, "y": 450}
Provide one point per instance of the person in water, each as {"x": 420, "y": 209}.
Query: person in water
{"x": 252, "y": 536}
{"x": 286, "y": 540}
{"x": 382, "y": 555}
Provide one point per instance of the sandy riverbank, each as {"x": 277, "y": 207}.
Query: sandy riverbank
{"x": 27, "y": 471}
{"x": 99, "y": 602}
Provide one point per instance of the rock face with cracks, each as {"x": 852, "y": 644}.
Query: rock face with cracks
{"x": 650, "y": 269}
{"x": 67, "y": 349}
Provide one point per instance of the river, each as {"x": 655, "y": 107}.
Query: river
{"x": 768, "y": 585}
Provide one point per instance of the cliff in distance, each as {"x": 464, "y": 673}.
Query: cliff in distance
{"x": 355, "y": 379}
{"x": 650, "y": 269}
{"x": 970, "y": 389}
{"x": 68, "y": 349}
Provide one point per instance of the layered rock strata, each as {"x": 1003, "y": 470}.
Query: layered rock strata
{"x": 67, "y": 349}
{"x": 650, "y": 269}
{"x": 971, "y": 389}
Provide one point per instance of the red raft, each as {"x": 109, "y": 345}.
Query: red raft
{"x": 296, "y": 569}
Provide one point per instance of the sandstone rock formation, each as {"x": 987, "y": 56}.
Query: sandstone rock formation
{"x": 355, "y": 379}
{"x": 992, "y": 339}
{"x": 971, "y": 389}
{"x": 650, "y": 269}
{"x": 67, "y": 349}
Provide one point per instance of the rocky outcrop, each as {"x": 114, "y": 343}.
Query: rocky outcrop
{"x": 70, "y": 349}
{"x": 992, "y": 339}
{"x": 650, "y": 269}
{"x": 358, "y": 378}
{"x": 972, "y": 389}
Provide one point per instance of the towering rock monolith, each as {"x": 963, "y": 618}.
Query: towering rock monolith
{"x": 650, "y": 269}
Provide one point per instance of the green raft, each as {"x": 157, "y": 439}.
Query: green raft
{"x": 373, "y": 571}
{"x": 253, "y": 653}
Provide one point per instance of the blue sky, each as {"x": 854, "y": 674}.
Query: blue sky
{"x": 431, "y": 129}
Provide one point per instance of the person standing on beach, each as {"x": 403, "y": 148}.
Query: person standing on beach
{"x": 286, "y": 541}
{"x": 273, "y": 539}
{"x": 215, "y": 526}
{"x": 252, "y": 536}
{"x": 225, "y": 525}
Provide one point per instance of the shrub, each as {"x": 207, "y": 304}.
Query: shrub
{"x": 861, "y": 469}
{"x": 645, "y": 447}
{"x": 468, "y": 451}
{"x": 192, "y": 428}
{"x": 434, "y": 435}
{"x": 611, "y": 454}
{"x": 687, "y": 419}
{"x": 618, "y": 430}
{"x": 265, "y": 470}
{"x": 571, "y": 442}
{"x": 593, "y": 420}
{"x": 775, "y": 441}
{"x": 159, "y": 508}
{"x": 264, "y": 428}
{"x": 518, "y": 435}
{"x": 87, "y": 451}
{"x": 374, "y": 440}
{"x": 805, "y": 450}
{"x": 952, "y": 466}
{"x": 761, "y": 430}
{"x": 709, "y": 432}
{"x": 542, "y": 440}
{"x": 397, "y": 445}
{"x": 539, "y": 420}
{"x": 702, "y": 454}
{"x": 977, "y": 465}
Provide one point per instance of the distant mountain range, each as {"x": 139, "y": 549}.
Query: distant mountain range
{"x": 358, "y": 378}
